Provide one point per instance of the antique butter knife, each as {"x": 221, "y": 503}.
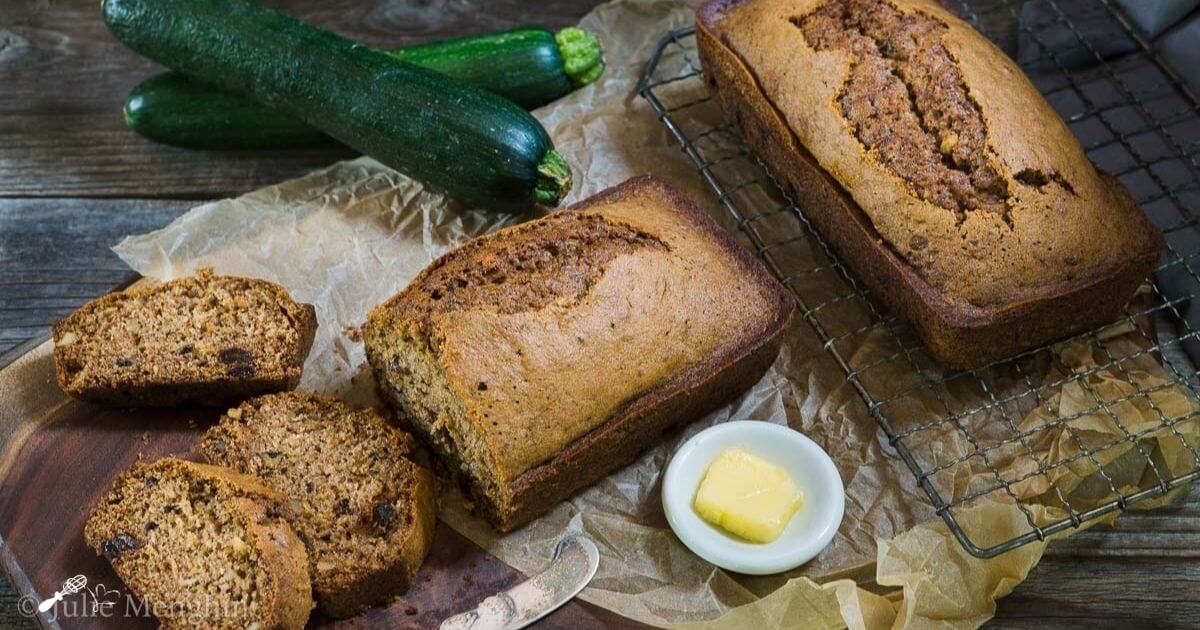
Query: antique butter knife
{"x": 574, "y": 563}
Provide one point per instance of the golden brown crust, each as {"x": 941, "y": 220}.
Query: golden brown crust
{"x": 364, "y": 510}
{"x": 535, "y": 404}
{"x": 957, "y": 332}
{"x": 204, "y": 339}
{"x": 620, "y": 440}
{"x": 291, "y": 601}
{"x": 365, "y": 590}
{"x": 121, "y": 529}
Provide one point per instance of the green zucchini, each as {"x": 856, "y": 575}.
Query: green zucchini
{"x": 529, "y": 66}
{"x": 477, "y": 147}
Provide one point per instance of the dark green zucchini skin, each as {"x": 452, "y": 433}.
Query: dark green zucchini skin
{"x": 173, "y": 109}
{"x": 524, "y": 65}
{"x": 477, "y": 147}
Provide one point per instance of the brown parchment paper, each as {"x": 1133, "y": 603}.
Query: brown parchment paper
{"x": 347, "y": 237}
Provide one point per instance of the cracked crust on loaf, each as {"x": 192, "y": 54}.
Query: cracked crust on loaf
{"x": 932, "y": 166}
{"x": 538, "y": 359}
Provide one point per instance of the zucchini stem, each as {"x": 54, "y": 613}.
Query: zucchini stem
{"x": 583, "y": 58}
{"x": 553, "y": 180}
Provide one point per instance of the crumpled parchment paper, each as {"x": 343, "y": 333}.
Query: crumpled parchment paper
{"x": 349, "y": 236}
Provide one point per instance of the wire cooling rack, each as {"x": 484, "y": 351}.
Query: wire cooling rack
{"x": 1052, "y": 426}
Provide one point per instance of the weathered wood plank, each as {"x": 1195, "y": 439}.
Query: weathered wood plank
{"x": 65, "y": 78}
{"x": 1123, "y": 593}
{"x": 1141, "y": 573}
{"x": 54, "y": 255}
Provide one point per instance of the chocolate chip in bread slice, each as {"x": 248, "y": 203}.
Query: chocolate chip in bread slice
{"x": 364, "y": 509}
{"x": 203, "y": 547}
{"x": 204, "y": 339}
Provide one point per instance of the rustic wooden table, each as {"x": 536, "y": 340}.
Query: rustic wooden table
{"x": 74, "y": 180}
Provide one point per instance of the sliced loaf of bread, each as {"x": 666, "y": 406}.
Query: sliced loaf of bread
{"x": 537, "y": 359}
{"x": 364, "y": 509}
{"x": 203, "y": 547}
{"x": 204, "y": 339}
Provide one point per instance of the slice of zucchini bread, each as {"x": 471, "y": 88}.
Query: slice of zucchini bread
{"x": 205, "y": 339}
{"x": 203, "y": 547}
{"x": 364, "y": 509}
{"x": 537, "y": 359}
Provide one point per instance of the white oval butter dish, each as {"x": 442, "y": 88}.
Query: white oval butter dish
{"x": 811, "y": 469}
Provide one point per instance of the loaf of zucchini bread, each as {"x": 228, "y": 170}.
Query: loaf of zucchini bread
{"x": 537, "y": 359}
{"x": 932, "y": 166}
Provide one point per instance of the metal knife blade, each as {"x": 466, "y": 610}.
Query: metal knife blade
{"x": 574, "y": 563}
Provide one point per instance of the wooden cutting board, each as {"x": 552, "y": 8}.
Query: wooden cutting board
{"x": 58, "y": 455}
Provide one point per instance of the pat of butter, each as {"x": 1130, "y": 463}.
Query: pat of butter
{"x": 747, "y": 496}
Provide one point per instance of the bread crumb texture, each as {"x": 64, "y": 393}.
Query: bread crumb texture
{"x": 959, "y": 163}
{"x": 203, "y": 547}
{"x": 364, "y": 510}
{"x": 206, "y": 339}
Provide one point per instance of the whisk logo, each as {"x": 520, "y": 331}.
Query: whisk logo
{"x": 80, "y": 599}
{"x": 75, "y": 599}
{"x": 70, "y": 587}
